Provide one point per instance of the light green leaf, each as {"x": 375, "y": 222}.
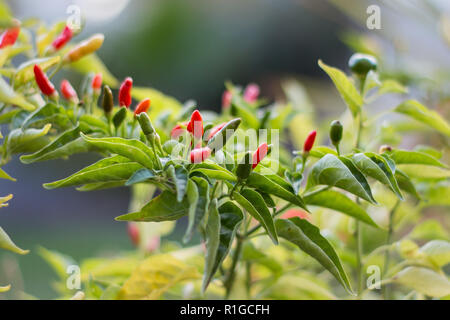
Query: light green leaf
{"x": 160, "y": 101}
{"x": 48, "y": 113}
{"x": 217, "y": 174}
{"x": 405, "y": 183}
{"x": 212, "y": 235}
{"x": 332, "y": 171}
{"x": 25, "y": 72}
{"x": 414, "y": 157}
{"x": 308, "y": 238}
{"x": 320, "y": 151}
{"x": 419, "y": 112}
{"x": 23, "y": 140}
{"x": 4, "y": 175}
{"x": 201, "y": 206}
{"x": 92, "y": 63}
{"x": 337, "y": 201}
{"x": 139, "y": 176}
{"x": 254, "y": 204}
{"x": 345, "y": 87}
{"x": 134, "y": 150}
{"x": 5, "y": 288}
{"x": 423, "y": 280}
{"x": 164, "y": 207}
{"x": 437, "y": 251}
{"x": 57, "y": 261}
{"x": 391, "y": 86}
{"x": 116, "y": 168}
{"x": 179, "y": 175}
{"x": 7, "y": 244}
{"x": 9, "y": 96}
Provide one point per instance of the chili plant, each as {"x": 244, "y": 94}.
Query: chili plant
{"x": 255, "y": 205}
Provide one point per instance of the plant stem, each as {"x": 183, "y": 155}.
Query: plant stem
{"x": 229, "y": 281}
{"x": 387, "y": 255}
{"x": 359, "y": 269}
{"x": 256, "y": 228}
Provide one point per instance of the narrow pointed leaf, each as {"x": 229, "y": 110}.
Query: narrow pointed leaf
{"x": 405, "y": 183}
{"x": 201, "y": 208}
{"x": 139, "y": 176}
{"x": 415, "y": 157}
{"x": 180, "y": 176}
{"x": 423, "y": 280}
{"x": 212, "y": 235}
{"x": 7, "y": 244}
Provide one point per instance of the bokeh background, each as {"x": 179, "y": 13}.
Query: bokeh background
{"x": 188, "y": 49}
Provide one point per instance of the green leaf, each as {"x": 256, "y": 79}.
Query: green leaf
{"x": 340, "y": 172}
{"x": 133, "y": 149}
{"x": 337, "y": 201}
{"x": 308, "y": 238}
{"x": 7, "y": 244}
{"x": 197, "y": 213}
{"x": 24, "y": 140}
{"x": 116, "y": 168}
{"x": 415, "y": 157}
{"x": 222, "y": 174}
{"x": 320, "y": 151}
{"x": 93, "y": 123}
{"x": 48, "y": 113}
{"x": 254, "y": 204}
{"x": 5, "y": 288}
{"x": 230, "y": 219}
{"x": 345, "y": 87}
{"x": 4, "y": 175}
{"x": 423, "y": 280}
{"x": 139, "y": 176}
{"x": 160, "y": 101}
{"x": 92, "y": 63}
{"x": 57, "y": 261}
{"x": 405, "y": 183}
{"x": 419, "y": 112}
{"x": 164, "y": 207}
{"x": 25, "y": 72}
{"x": 179, "y": 175}
{"x": 9, "y": 96}
{"x": 212, "y": 235}
{"x": 376, "y": 166}
{"x": 391, "y": 86}
{"x": 253, "y": 255}
{"x": 67, "y": 144}
{"x": 101, "y": 185}
{"x": 437, "y": 251}
{"x": 295, "y": 179}
{"x": 267, "y": 185}
{"x": 247, "y": 114}
{"x": 219, "y": 140}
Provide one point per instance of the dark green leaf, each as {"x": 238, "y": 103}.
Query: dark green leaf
{"x": 139, "y": 176}
{"x": 179, "y": 175}
{"x": 197, "y": 214}
{"x": 212, "y": 235}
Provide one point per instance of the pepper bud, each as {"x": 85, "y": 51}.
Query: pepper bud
{"x": 119, "y": 117}
{"x": 244, "y": 168}
{"x": 384, "y": 148}
{"x": 108, "y": 100}
{"x": 309, "y": 142}
{"x": 336, "y": 129}
{"x": 46, "y": 87}
{"x": 9, "y": 37}
{"x": 226, "y": 99}
{"x": 146, "y": 124}
{"x": 69, "y": 92}
{"x": 259, "y": 154}
{"x": 97, "y": 84}
{"x": 251, "y": 93}
{"x": 195, "y": 126}
{"x": 62, "y": 39}
{"x": 125, "y": 92}
{"x": 361, "y": 64}
{"x": 200, "y": 155}
{"x": 142, "y": 107}
{"x": 84, "y": 48}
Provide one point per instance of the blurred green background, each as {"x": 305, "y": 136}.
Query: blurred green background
{"x": 187, "y": 49}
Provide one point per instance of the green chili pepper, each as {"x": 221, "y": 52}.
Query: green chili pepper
{"x": 244, "y": 168}
{"x": 108, "y": 100}
{"x": 361, "y": 64}
{"x": 336, "y": 129}
{"x": 119, "y": 117}
{"x": 219, "y": 140}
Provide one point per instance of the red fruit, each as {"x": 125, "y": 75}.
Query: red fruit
{"x": 133, "y": 233}
{"x": 195, "y": 126}
{"x": 200, "y": 155}
{"x": 125, "y": 92}
{"x": 226, "y": 99}
{"x": 216, "y": 129}
{"x": 63, "y": 38}
{"x": 309, "y": 142}
{"x": 251, "y": 93}
{"x": 143, "y": 106}
{"x": 296, "y": 213}
{"x": 178, "y": 130}
{"x": 259, "y": 154}
{"x": 68, "y": 91}
{"x": 43, "y": 83}
{"x": 9, "y": 37}
{"x": 97, "y": 83}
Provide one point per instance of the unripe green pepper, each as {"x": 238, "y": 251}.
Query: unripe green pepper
{"x": 145, "y": 123}
{"x": 219, "y": 140}
{"x": 244, "y": 168}
{"x": 336, "y": 129}
{"x": 119, "y": 117}
{"x": 108, "y": 100}
{"x": 361, "y": 64}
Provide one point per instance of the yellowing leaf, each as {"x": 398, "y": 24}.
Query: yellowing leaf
{"x": 7, "y": 244}
{"x": 9, "y": 96}
{"x": 423, "y": 280}
{"x": 25, "y": 72}
{"x": 5, "y": 288}
{"x": 92, "y": 63}
{"x": 155, "y": 275}
{"x": 3, "y": 200}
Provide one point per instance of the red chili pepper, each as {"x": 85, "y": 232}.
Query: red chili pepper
{"x": 296, "y": 213}
{"x": 216, "y": 129}
{"x": 251, "y": 93}
{"x": 195, "y": 126}
{"x": 143, "y": 106}
{"x": 9, "y": 37}
{"x": 62, "y": 39}
{"x": 199, "y": 155}
{"x": 68, "y": 91}
{"x": 178, "y": 130}
{"x": 43, "y": 83}
{"x": 97, "y": 83}
{"x": 125, "y": 92}
{"x": 133, "y": 233}
{"x": 309, "y": 142}
{"x": 259, "y": 154}
{"x": 226, "y": 99}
